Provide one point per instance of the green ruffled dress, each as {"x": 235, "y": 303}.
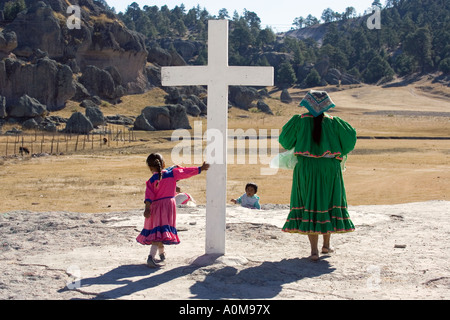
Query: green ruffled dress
{"x": 318, "y": 199}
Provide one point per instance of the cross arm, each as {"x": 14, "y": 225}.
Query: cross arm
{"x": 251, "y": 76}
{"x": 184, "y": 76}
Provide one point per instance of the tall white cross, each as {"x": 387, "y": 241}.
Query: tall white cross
{"x": 217, "y": 75}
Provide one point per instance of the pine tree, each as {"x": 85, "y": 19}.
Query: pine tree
{"x": 418, "y": 45}
{"x": 286, "y": 75}
{"x": 12, "y": 9}
{"x": 313, "y": 78}
{"x": 377, "y": 69}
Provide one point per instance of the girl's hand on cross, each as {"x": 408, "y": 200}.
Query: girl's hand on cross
{"x": 205, "y": 166}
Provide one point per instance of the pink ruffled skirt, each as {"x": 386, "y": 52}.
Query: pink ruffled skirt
{"x": 161, "y": 225}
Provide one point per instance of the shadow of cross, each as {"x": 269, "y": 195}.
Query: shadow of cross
{"x": 217, "y": 75}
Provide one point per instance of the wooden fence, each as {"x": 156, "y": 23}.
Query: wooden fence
{"x": 39, "y": 142}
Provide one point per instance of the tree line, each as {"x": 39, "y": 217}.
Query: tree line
{"x": 414, "y": 38}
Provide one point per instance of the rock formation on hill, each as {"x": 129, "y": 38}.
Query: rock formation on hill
{"x": 169, "y": 117}
{"x": 47, "y": 61}
{"x": 48, "y": 81}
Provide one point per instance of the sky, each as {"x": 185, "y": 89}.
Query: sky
{"x": 277, "y": 14}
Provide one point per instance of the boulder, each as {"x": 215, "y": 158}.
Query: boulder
{"x": 199, "y": 103}
{"x": 38, "y": 28}
{"x": 47, "y": 81}
{"x": 30, "y": 124}
{"x": 88, "y": 103}
{"x": 264, "y": 93}
{"x": 95, "y": 115}
{"x": 8, "y": 42}
{"x": 285, "y": 96}
{"x": 141, "y": 123}
{"x": 72, "y": 63}
{"x": 48, "y": 125}
{"x": 159, "y": 56}
{"x": 323, "y": 66}
{"x": 27, "y": 107}
{"x": 96, "y": 100}
{"x": 347, "y": 79}
{"x": 105, "y": 43}
{"x": 261, "y": 105}
{"x": 120, "y": 119}
{"x": 191, "y": 108}
{"x": 275, "y": 59}
{"x": 115, "y": 75}
{"x": 185, "y": 50}
{"x": 242, "y": 97}
{"x": 55, "y": 119}
{"x": 333, "y": 76}
{"x": 100, "y": 82}
{"x": 153, "y": 75}
{"x": 177, "y": 59}
{"x": 78, "y": 123}
{"x": 81, "y": 93}
{"x": 173, "y": 96}
{"x": 169, "y": 117}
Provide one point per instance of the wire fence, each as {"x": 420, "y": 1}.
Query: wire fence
{"x": 39, "y": 142}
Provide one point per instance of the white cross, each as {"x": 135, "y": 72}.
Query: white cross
{"x": 217, "y": 75}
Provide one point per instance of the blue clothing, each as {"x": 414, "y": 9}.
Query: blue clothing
{"x": 249, "y": 202}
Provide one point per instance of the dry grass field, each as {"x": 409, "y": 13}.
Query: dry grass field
{"x": 379, "y": 171}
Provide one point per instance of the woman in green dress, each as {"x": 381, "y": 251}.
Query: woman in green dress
{"x": 321, "y": 143}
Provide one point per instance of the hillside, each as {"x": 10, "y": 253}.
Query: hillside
{"x": 46, "y": 67}
{"x": 345, "y": 44}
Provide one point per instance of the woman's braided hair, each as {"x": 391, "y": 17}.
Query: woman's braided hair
{"x": 155, "y": 160}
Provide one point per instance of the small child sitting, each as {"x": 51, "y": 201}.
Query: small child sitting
{"x": 249, "y": 199}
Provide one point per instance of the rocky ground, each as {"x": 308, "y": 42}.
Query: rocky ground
{"x": 396, "y": 252}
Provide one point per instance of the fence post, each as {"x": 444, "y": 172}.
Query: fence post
{"x": 76, "y": 143}
{"x": 15, "y": 143}
{"x": 51, "y": 146}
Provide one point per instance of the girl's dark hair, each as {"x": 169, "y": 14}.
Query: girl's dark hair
{"x": 317, "y": 129}
{"x": 155, "y": 160}
{"x": 253, "y": 185}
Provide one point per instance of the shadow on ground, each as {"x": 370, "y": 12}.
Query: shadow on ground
{"x": 254, "y": 280}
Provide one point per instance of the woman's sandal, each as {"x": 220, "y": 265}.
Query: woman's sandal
{"x": 327, "y": 250}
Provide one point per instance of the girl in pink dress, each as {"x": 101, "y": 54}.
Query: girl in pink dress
{"x": 160, "y": 206}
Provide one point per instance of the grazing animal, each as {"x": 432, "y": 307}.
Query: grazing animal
{"x": 23, "y": 150}
{"x": 105, "y": 141}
